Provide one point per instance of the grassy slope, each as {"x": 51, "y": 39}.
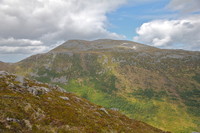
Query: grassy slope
{"x": 165, "y": 91}
{"x": 21, "y": 111}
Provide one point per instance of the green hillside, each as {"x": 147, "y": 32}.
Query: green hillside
{"x": 29, "y": 106}
{"x": 160, "y": 87}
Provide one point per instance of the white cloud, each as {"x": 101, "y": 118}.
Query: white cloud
{"x": 181, "y": 33}
{"x": 58, "y": 19}
{"x": 19, "y": 42}
{"x": 22, "y": 50}
{"x": 37, "y": 25}
{"x": 185, "y": 6}
{"x": 21, "y": 46}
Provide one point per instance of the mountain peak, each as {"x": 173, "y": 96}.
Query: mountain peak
{"x": 130, "y": 77}
{"x": 101, "y": 45}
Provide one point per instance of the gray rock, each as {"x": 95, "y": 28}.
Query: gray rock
{"x": 12, "y": 119}
{"x": 104, "y": 110}
{"x": 49, "y": 98}
{"x": 68, "y": 104}
{"x": 38, "y": 90}
{"x": 11, "y": 85}
{"x": 57, "y": 88}
{"x": 77, "y": 99}
{"x": 62, "y": 79}
{"x": 114, "y": 109}
{"x": 97, "y": 113}
{"x": 65, "y": 98}
{"x": 3, "y": 73}
{"x": 20, "y": 79}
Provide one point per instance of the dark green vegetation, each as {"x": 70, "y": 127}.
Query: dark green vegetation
{"x": 48, "y": 109}
{"x": 160, "y": 87}
{"x": 191, "y": 99}
{"x": 149, "y": 94}
{"x": 197, "y": 78}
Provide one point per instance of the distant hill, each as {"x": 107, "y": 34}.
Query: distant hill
{"x": 157, "y": 86}
{"x": 5, "y": 66}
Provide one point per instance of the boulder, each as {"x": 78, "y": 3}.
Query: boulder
{"x": 38, "y": 90}
{"x": 3, "y": 73}
{"x": 20, "y": 79}
{"x": 12, "y": 119}
{"x": 57, "y": 88}
{"x": 64, "y": 98}
{"x": 104, "y": 110}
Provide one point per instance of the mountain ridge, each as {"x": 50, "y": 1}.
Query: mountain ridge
{"x": 161, "y": 84}
{"x": 101, "y": 44}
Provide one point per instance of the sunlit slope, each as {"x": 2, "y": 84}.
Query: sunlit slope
{"x": 32, "y": 107}
{"x": 160, "y": 87}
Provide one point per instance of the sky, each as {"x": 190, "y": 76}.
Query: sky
{"x": 29, "y": 27}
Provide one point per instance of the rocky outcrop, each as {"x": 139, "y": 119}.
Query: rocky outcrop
{"x": 38, "y": 90}
{"x": 61, "y": 79}
{"x": 22, "y": 84}
{"x": 3, "y": 73}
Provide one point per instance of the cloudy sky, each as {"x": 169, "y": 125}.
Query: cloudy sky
{"x": 29, "y": 27}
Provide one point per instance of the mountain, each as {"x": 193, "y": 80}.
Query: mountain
{"x": 5, "y": 66}
{"x": 31, "y": 106}
{"x": 158, "y": 86}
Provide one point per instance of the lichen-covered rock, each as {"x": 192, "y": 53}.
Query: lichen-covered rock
{"x": 20, "y": 79}
{"x": 57, "y": 88}
{"x": 64, "y": 98}
{"x": 38, "y": 90}
{"x": 62, "y": 79}
{"x": 104, "y": 110}
{"x": 22, "y": 84}
{"x": 12, "y": 119}
{"x": 3, "y": 73}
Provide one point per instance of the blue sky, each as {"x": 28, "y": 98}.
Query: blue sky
{"x": 37, "y": 26}
{"x": 126, "y": 19}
